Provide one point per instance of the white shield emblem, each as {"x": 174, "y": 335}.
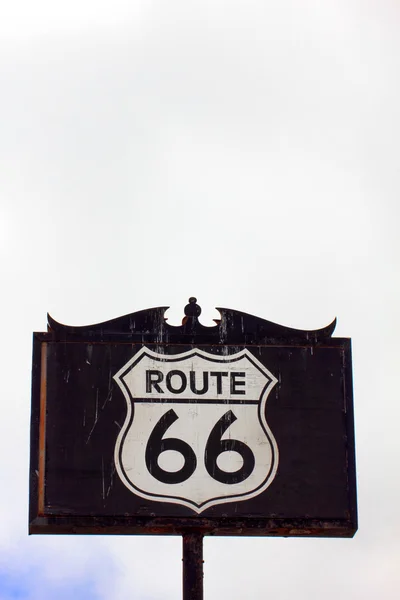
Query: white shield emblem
{"x": 195, "y": 432}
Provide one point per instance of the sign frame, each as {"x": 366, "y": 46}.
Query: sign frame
{"x": 235, "y": 330}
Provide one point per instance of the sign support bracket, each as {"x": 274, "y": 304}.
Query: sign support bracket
{"x": 192, "y": 566}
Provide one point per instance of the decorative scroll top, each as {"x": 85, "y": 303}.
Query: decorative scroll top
{"x": 150, "y": 325}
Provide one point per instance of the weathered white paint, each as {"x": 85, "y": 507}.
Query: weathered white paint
{"x": 197, "y": 414}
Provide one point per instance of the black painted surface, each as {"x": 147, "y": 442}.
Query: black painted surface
{"x": 309, "y": 412}
{"x": 192, "y": 566}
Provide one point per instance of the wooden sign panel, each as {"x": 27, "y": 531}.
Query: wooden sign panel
{"x": 243, "y": 428}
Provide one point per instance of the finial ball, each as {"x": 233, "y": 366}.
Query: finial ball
{"x": 192, "y": 309}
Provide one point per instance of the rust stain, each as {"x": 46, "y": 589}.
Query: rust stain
{"x": 42, "y": 426}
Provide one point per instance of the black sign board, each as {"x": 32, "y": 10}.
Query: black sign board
{"x": 242, "y": 428}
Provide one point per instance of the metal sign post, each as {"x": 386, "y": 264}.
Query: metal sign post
{"x": 242, "y": 428}
{"x": 192, "y": 571}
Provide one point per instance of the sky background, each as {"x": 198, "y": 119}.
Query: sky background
{"x": 246, "y": 153}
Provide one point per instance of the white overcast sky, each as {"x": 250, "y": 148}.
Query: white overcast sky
{"x": 246, "y": 152}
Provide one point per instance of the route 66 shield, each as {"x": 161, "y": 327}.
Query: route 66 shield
{"x": 195, "y": 432}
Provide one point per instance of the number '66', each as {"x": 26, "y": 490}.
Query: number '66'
{"x": 214, "y": 447}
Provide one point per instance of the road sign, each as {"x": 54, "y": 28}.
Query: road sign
{"x": 245, "y": 427}
{"x": 195, "y": 431}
